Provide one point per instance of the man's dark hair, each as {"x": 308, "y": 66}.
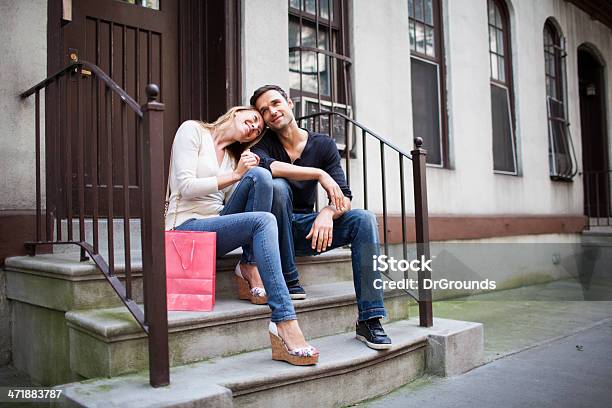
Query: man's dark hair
{"x": 263, "y": 89}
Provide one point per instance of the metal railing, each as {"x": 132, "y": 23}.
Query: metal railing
{"x": 90, "y": 108}
{"x": 597, "y": 197}
{"x": 421, "y": 215}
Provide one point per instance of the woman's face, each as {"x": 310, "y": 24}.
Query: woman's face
{"x": 248, "y": 124}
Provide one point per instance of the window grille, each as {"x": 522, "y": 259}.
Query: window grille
{"x": 319, "y": 64}
{"x": 561, "y": 155}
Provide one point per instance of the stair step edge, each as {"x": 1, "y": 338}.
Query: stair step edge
{"x": 115, "y": 323}
{"x": 340, "y": 353}
{"x": 65, "y": 265}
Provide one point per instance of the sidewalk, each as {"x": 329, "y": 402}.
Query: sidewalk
{"x": 543, "y": 348}
{"x": 575, "y": 371}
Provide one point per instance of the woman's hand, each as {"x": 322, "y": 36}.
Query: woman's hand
{"x": 247, "y": 161}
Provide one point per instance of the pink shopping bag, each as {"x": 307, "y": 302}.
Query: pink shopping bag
{"x": 190, "y": 270}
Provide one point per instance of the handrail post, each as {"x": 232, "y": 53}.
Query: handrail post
{"x": 421, "y": 214}
{"x": 153, "y": 252}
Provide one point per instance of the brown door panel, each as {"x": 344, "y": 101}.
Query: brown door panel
{"x": 135, "y": 46}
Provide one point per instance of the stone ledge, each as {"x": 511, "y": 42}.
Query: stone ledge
{"x": 456, "y": 348}
{"x": 62, "y": 282}
{"x": 109, "y": 342}
{"x": 67, "y": 266}
{"x": 114, "y": 323}
{"x": 343, "y": 376}
{"x": 341, "y": 355}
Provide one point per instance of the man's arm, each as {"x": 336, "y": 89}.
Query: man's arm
{"x": 278, "y": 168}
{"x": 293, "y": 172}
{"x": 300, "y": 173}
{"x": 322, "y": 232}
{"x": 334, "y": 212}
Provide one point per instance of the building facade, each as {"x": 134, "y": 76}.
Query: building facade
{"x": 511, "y": 97}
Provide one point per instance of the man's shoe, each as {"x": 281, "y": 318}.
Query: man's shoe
{"x": 373, "y": 335}
{"x": 296, "y": 291}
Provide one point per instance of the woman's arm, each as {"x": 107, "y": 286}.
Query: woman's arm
{"x": 227, "y": 179}
{"x": 185, "y": 156}
{"x": 247, "y": 161}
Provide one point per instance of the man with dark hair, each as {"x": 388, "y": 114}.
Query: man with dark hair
{"x": 299, "y": 160}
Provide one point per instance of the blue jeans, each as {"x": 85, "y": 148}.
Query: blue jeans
{"x": 253, "y": 193}
{"x": 356, "y": 227}
{"x": 257, "y": 230}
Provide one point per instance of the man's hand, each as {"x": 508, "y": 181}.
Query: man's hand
{"x": 322, "y": 231}
{"x": 334, "y": 192}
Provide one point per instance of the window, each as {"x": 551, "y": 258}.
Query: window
{"x": 319, "y": 62}
{"x": 427, "y": 78}
{"x": 560, "y": 149}
{"x": 152, "y": 4}
{"x": 502, "y": 97}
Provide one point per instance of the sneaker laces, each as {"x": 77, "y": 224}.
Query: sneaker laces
{"x": 375, "y": 327}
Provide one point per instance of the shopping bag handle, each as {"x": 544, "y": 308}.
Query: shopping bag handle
{"x": 180, "y": 256}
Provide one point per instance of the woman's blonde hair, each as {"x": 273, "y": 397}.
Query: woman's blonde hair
{"x": 236, "y": 148}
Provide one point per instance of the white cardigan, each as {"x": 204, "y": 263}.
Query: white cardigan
{"x": 193, "y": 172}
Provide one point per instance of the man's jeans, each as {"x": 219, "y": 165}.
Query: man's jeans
{"x": 356, "y": 227}
{"x": 256, "y": 230}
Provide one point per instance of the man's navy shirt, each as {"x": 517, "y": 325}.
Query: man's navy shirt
{"x": 320, "y": 152}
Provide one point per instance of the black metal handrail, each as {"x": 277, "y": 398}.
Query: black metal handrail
{"x": 418, "y": 157}
{"x": 97, "y": 71}
{"x": 147, "y": 136}
{"x": 597, "y": 200}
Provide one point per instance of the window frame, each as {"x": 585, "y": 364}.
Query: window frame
{"x": 439, "y": 62}
{"x": 340, "y": 90}
{"x": 560, "y": 83}
{"x": 508, "y": 83}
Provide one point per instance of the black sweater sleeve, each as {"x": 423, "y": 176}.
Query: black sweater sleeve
{"x": 331, "y": 165}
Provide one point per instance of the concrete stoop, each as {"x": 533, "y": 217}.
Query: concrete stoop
{"x": 347, "y": 372}
{"x": 109, "y": 342}
{"x": 61, "y": 282}
{"x": 68, "y": 324}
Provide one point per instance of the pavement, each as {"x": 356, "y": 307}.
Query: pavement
{"x": 544, "y": 347}
{"x": 575, "y": 371}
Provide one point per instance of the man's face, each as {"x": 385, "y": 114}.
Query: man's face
{"x": 275, "y": 110}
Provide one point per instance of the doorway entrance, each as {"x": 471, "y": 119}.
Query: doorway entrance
{"x": 595, "y": 162}
{"x": 189, "y": 48}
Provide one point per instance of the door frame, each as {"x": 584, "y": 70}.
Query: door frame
{"x": 192, "y": 88}
{"x": 594, "y": 53}
{"x": 202, "y": 90}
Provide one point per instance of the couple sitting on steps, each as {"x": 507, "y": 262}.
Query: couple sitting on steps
{"x": 257, "y": 191}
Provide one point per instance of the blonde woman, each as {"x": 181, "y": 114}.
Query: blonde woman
{"x": 216, "y": 185}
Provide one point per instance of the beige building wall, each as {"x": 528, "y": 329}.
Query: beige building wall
{"x": 382, "y": 101}
{"x": 23, "y": 62}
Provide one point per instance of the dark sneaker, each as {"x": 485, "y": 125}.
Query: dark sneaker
{"x": 296, "y": 291}
{"x": 373, "y": 335}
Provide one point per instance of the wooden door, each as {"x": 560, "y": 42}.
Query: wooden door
{"x": 594, "y": 135}
{"x": 135, "y": 45}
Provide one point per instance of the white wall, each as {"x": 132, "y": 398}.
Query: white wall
{"x": 382, "y": 102}
{"x": 382, "y": 98}
{"x": 265, "y": 44}
{"x": 23, "y": 62}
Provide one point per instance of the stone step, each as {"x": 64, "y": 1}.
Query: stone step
{"x": 597, "y": 236}
{"x": 109, "y": 342}
{"x": 70, "y": 284}
{"x": 347, "y": 372}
